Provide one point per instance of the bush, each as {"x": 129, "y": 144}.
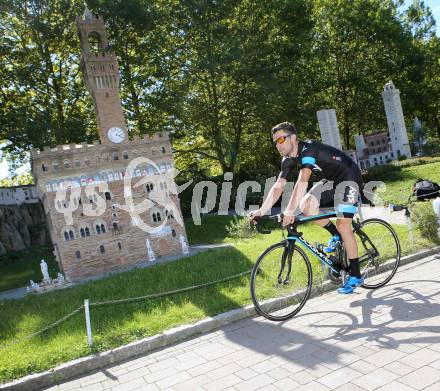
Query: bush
{"x": 424, "y": 219}
{"x": 240, "y": 228}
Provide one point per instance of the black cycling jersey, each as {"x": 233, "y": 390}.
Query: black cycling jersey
{"x": 325, "y": 161}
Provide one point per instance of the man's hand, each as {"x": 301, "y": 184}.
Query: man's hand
{"x": 254, "y": 215}
{"x": 288, "y": 219}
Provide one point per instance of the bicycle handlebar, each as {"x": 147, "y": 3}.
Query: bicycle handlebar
{"x": 278, "y": 217}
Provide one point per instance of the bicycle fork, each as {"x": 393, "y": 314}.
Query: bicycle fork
{"x": 287, "y": 256}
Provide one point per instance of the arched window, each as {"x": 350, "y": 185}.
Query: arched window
{"x": 163, "y": 150}
{"x": 71, "y": 236}
{"x": 125, "y": 155}
{"x": 44, "y": 167}
{"x": 102, "y": 249}
{"x": 66, "y": 235}
{"x": 158, "y": 217}
{"x": 87, "y": 230}
{"x": 108, "y": 196}
{"x": 173, "y": 232}
{"x": 115, "y": 226}
{"x": 154, "y": 217}
{"x": 77, "y": 254}
{"x": 98, "y": 229}
{"x": 119, "y": 245}
{"x": 66, "y": 163}
{"x": 82, "y": 232}
{"x": 103, "y": 228}
{"x": 95, "y": 42}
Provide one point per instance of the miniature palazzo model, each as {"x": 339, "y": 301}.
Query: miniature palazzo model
{"x": 89, "y": 245}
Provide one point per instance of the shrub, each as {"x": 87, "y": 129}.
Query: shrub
{"x": 240, "y": 228}
{"x": 424, "y": 218}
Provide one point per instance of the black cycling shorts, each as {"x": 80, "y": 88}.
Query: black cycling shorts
{"x": 343, "y": 195}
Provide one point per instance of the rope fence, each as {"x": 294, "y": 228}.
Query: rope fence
{"x": 87, "y": 305}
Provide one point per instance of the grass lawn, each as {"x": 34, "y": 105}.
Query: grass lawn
{"x": 114, "y": 325}
{"x": 399, "y": 183}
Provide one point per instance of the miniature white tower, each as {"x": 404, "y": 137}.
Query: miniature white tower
{"x": 328, "y": 126}
{"x": 361, "y": 147}
{"x": 396, "y": 121}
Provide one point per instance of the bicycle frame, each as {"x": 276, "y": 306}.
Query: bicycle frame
{"x": 295, "y": 236}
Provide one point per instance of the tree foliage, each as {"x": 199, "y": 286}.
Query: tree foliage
{"x": 218, "y": 75}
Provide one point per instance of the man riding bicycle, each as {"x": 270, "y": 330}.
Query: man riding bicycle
{"x": 339, "y": 187}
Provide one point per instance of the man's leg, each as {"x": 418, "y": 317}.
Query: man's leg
{"x": 310, "y": 207}
{"x": 344, "y": 227}
{"x": 355, "y": 278}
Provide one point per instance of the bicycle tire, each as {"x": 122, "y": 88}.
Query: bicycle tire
{"x": 262, "y": 289}
{"x": 380, "y": 234}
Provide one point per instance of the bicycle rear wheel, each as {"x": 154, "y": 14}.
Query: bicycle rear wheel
{"x": 281, "y": 282}
{"x": 379, "y": 252}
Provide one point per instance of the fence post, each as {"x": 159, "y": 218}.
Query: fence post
{"x": 88, "y": 325}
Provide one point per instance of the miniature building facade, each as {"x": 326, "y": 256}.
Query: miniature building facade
{"x": 91, "y": 183}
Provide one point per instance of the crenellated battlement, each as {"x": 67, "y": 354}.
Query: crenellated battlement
{"x": 64, "y": 149}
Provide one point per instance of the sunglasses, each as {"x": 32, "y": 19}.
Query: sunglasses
{"x": 281, "y": 140}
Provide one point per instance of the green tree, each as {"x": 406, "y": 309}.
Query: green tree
{"x": 359, "y": 45}
{"x": 236, "y": 61}
{"x": 43, "y": 98}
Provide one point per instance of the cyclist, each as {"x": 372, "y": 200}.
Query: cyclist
{"x": 339, "y": 186}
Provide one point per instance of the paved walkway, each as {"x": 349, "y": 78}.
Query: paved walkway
{"x": 388, "y": 339}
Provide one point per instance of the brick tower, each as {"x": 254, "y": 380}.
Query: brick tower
{"x": 90, "y": 193}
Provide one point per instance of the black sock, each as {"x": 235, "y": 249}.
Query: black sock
{"x": 355, "y": 270}
{"x": 330, "y": 227}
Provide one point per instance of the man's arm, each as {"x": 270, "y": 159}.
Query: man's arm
{"x": 272, "y": 197}
{"x": 299, "y": 191}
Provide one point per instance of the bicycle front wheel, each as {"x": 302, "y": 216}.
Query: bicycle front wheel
{"x": 281, "y": 282}
{"x": 379, "y": 252}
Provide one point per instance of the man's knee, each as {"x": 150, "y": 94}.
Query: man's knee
{"x": 344, "y": 224}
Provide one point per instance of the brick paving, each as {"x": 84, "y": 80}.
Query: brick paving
{"x": 387, "y": 339}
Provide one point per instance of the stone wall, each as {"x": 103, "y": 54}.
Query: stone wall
{"x": 22, "y": 226}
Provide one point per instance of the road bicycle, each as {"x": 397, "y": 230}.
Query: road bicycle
{"x": 281, "y": 279}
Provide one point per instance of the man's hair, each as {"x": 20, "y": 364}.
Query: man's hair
{"x": 288, "y": 127}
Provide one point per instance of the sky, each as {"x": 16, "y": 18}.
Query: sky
{"x": 433, "y": 4}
